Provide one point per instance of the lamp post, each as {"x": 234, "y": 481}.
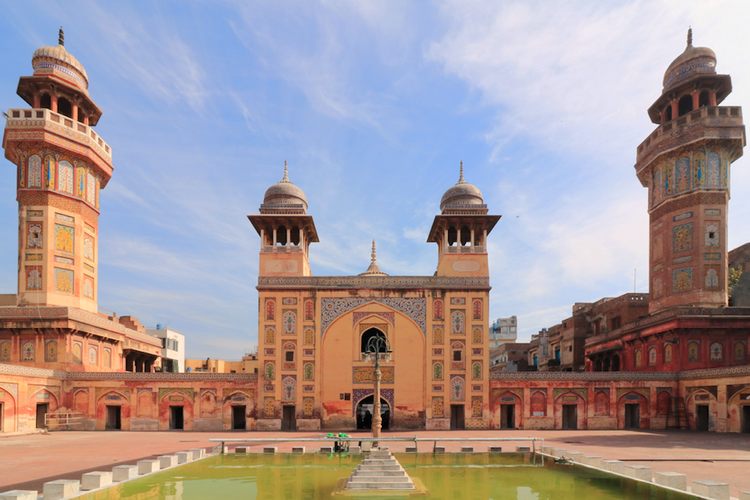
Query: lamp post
{"x": 375, "y": 345}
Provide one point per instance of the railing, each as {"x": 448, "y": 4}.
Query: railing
{"x": 411, "y": 439}
{"x": 63, "y": 421}
{"x": 24, "y": 118}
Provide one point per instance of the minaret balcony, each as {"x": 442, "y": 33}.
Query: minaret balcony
{"x": 465, "y": 249}
{"x": 49, "y": 121}
{"x": 717, "y": 122}
{"x": 282, "y": 249}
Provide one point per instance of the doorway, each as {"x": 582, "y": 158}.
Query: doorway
{"x": 632, "y": 416}
{"x": 570, "y": 416}
{"x": 1, "y": 417}
{"x": 507, "y": 413}
{"x": 701, "y": 417}
{"x": 365, "y": 409}
{"x": 457, "y": 417}
{"x": 289, "y": 419}
{"x": 745, "y": 419}
{"x": 41, "y": 412}
{"x": 176, "y": 418}
{"x": 114, "y": 413}
{"x": 238, "y": 418}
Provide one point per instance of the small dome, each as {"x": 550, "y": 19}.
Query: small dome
{"x": 693, "y": 61}
{"x": 284, "y": 193}
{"x": 462, "y": 194}
{"x": 58, "y": 61}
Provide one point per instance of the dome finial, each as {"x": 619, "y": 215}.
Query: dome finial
{"x": 461, "y": 175}
{"x": 373, "y": 255}
{"x": 61, "y": 37}
{"x": 690, "y": 36}
{"x": 373, "y": 270}
{"x": 286, "y": 172}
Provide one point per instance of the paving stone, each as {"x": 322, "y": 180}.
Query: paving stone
{"x": 711, "y": 489}
{"x": 147, "y": 466}
{"x": 166, "y": 461}
{"x": 639, "y": 472}
{"x": 124, "y": 472}
{"x": 62, "y": 488}
{"x": 671, "y": 479}
{"x": 616, "y": 466}
{"x": 94, "y": 480}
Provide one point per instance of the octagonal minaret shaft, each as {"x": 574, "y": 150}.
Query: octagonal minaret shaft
{"x": 61, "y": 166}
{"x": 685, "y": 163}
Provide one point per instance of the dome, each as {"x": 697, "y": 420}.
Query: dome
{"x": 284, "y": 193}
{"x": 462, "y": 194}
{"x": 58, "y": 61}
{"x": 693, "y": 61}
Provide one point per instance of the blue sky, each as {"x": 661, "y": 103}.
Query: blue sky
{"x": 373, "y": 104}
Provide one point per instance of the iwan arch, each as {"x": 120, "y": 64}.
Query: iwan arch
{"x": 59, "y": 355}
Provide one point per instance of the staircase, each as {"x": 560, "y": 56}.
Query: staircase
{"x": 379, "y": 471}
{"x": 677, "y": 413}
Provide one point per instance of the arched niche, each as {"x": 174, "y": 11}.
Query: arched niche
{"x": 632, "y": 411}
{"x": 570, "y": 411}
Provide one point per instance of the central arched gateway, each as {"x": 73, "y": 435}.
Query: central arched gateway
{"x": 364, "y": 413}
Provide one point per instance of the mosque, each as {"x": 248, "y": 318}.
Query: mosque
{"x": 62, "y": 363}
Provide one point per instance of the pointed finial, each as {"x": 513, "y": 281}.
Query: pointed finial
{"x": 286, "y": 173}
{"x": 373, "y": 256}
{"x": 61, "y": 37}
{"x": 690, "y": 36}
{"x": 461, "y": 175}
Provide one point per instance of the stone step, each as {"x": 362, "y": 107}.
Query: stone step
{"x": 380, "y": 467}
{"x": 380, "y": 486}
{"x": 384, "y": 461}
{"x": 379, "y": 479}
{"x": 366, "y": 472}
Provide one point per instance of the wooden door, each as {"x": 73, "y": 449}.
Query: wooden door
{"x": 288, "y": 419}
{"x": 570, "y": 417}
{"x": 457, "y": 416}
{"x": 238, "y": 418}
{"x": 41, "y": 411}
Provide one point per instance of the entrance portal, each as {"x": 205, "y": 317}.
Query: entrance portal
{"x": 745, "y": 419}
{"x": 365, "y": 412}
{"x": 507, "y": 413}
{"x": 41, "y": 411}
{"x": 113, "y": 418}
{"x": 701, "y": 417}
{"x": 176, "y": 421}
{"x": 632, "y": 416}
{"x": 457, "y": 417}
{"x": 289, "y": 419}
{"x": 238, "y": 418}
{"x": 570, "y": 416}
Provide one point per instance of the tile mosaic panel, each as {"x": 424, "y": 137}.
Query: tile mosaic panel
{"x": 359, "y": 316}
{"x": 712, "y": 234}
{"x": 308, "y": 388}
{"x": 437, "y": 388}
{"x": 476, "y": 388}
{"x": 309, "y": 310}
{"x": 414, "y": 308}
{"x": 711, "y": 279}
{"x": 682, "y": 238}
{"x": 712, "y": 212}
{"x": 34, "y": 213}
{"x": 289, "y": 301}
{"x": 437, "y": 352}
{"x": 33, "y": 277}
{"x": 437, "y": 334}
{"x": 458, "y": 383}
{"x": 88, "y": 287}
{"x": 437, "y": 407}
{"x": 457, "y": 323}
{"x": 359, "y": 394}
{"x": 289, "y": 322}
{"x": 289, "y": 387}
{"x": 682, "y": 279}
{"x": 717, "y": 351}
{"x": 35, "y": 172}
{"x": 64, "y": 238}
{"x": 64, "y": 260}
{"x": 712, "y": 256}
{"x": 437, "y": 309}
{"x": 366, "y": 374}
{"x": 33, "y": 235}
{"x": 64, "y": 280}
{"x": 64, "y": 218}
{"x": 683, "y": 216}
{"x": 458, "y": 301}
{"x": 476, "y": 406}
{"x": 88, "y": 247}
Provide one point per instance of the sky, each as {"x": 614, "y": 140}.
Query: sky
{"x": 373, "y": 104}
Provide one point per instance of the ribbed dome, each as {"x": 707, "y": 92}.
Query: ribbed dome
{"x": 462, "y": 194}
{"x": 58, "y": 61}
{"x": 284, "y": 193}
{"x": 693, "y": 61}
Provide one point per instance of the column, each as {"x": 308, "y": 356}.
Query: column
{"x": 696, "y": 99}
{"x": 288, "y": 236}
{"x": 675, "y": 110}
{"x": 53, "y": 102}
{"x": 301, "y": 237}
{"x": 472, "y": 236}
{"x": 712, "y": 98}
{"x": 262, "y": 239}
{"x": 37, "y": 101}
{"x": 274, "y": 237}
{"x": 458, "y": 236}
{"x": 663, "y": 116}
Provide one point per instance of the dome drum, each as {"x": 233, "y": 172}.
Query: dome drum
{"x": 284, "y": 197}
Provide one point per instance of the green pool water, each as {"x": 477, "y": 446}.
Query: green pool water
{"x": 449, "y": 476}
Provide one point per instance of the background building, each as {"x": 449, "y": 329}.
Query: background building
{"x": 173, "y": 348}
{"x": 503, "y": 330}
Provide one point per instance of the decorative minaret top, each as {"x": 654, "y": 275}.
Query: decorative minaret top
{"x": 61, "y": 37}
{"x": 284, "y": 197}
{"x": 373, "y": 270}
{"x": 690, "y": 36}
{"x": 462, "y": 196}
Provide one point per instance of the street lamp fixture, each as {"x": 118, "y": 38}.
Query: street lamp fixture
{"x": 375, "y": 346}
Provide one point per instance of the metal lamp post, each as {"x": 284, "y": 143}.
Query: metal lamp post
{"x": 374, "y": 346}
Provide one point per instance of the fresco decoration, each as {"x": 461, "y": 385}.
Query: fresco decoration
{"x": 458, "y": 385}
{"x": 437, "y": 371}
{"x": 682, "y": 238}
{"x": 88, "y": 287}
{"x": 359, "y": 316}
{"x": 712, "y": 234}
{"x": 64, "y": 238}
{"x": 107, "y": 358}
{"x": 77, "y": 352}
{"x": 437, "y": 335}
{"x": 739, "y": 351}
{"x": 309, "y": 310}
{"x": 309, "y": 372}
{"x": 308, "y": 388}
{"x": 360, "y": 394}
{"x": 92, "y": 190}
{"x": 63, "y": 280}
{"x": 713, "y": 212}
{"x": 289, "y": 301}
{"x": 269, "y": 405}
{"x": 437, "y": 352}
{"x": 657, "y": 192}
{"x": 366, "y": 374}
{"x": 699, "y": 166}
{"x": 717, "y": 351}
{"x": 33, "y": 277}
{"x": 712, "y": 256}
{"x": 289, "y": 321}
{"x": 476, "y": 309}
{"x": 414, "y": 308}
{"x": 49, "y": 172}
{"x": 668, "y": 176}
{"x": 50, "y": 351}
{"x": 270, "y": 372}
{"x": 682, "y": 279}
{"x": 34, "y": 235}
{"x": 476, "y": 335}
{"x": 27, "y": 351}
{"x": 5, "y": 350}
{"x": 458, "y": 301}
{"x": 289, "y": 387}
{"x": 437, "y": 388}
{"x": 682, "y": 174}
{"x": 80, "y": 182}
{"x": 457, "y": 353}
{"x": 638, "y": 358}
{"x": 269, "y": 352}
{"x": 309, "y": 337}
{"x": 92, "y": 355}
{"x": 437, "y": 309}
{"x": 270, "y": 310}
{"x": 652, "y": 355}
{"x": 34, "y": 179}
{"x": 476, "y": 387}
{"x": 476, "y": 351}
{"x": 437, "y": 407}
{"x": 457, "y": 323}
{"x": 270, "y": 335}
{"x": 308, "y": 405}
{"x": 712, "y": 169}
{"x": 88, "y": 247}
{"x": 668, "y": 353}
{"x": 712, "y": 277}
{"x": 476, "y": 371}
{"x": 21, "y": 172}
{"x": 694, "y": 351}
{"x": 658, "y": 248}
{"x": 476, "y": 406}
{"x": 65, "y": 177}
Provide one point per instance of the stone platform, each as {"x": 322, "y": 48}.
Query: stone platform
{"x": 380, "y": 471}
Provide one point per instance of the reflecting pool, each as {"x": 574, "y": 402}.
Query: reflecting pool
{"x": 450, "y": 476}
